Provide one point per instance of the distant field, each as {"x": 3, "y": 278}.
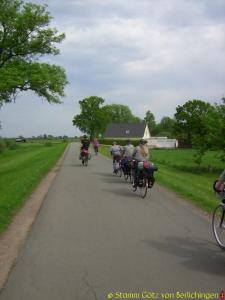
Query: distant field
{"x": 178, "y": 172}
{"x": 183, "y": 159}
{"x": 20, "y": 171}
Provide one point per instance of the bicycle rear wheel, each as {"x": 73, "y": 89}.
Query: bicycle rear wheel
{"x": 143, "y": 188}
{"x": 218, "y": 224}
{"x": 127, "y": 175}
{"x": 119, "y": 172}
{"x": 86, "y": 160}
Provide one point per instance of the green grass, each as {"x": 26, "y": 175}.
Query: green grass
{"x": 178, "y": 172}
{"x": 103, "y": 149}
{"x": 20, "y": 171}
{"x": 184, "y": 159}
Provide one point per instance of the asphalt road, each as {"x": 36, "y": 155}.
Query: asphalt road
{"x": 94, "y": 238}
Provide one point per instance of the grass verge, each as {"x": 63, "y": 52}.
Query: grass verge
{"x": 20, "y": 172}
{"x": 178, "y": 172}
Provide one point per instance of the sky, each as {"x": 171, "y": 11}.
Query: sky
{"x": 146, "y": 54}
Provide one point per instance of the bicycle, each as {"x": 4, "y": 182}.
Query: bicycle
{"x": 96, "y": 150}
{"x": 144, "y": 179}
{"x": 218, "y": 219}
{"x": 84, "y": 157}
{"x": 127, "y": 169}
{"x": 117, "y": 166}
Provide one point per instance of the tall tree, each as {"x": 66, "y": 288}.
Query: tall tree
{"x": 166, "y": 127}
{"x": 91, "y": 120}
{"x": 216, "y": 128}
{"x": 25, "y": 36}
{"x": 192, "y": 124}
{"x": 118, "y": 113}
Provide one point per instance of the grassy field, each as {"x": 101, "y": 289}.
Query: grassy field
{"x": 178, "y": 172}
{"x": 20, "y": 171}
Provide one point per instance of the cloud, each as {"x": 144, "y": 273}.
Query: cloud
{"x": 147, "y": 54}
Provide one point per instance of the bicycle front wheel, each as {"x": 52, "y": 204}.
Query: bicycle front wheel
{"x": 218, "y": 224}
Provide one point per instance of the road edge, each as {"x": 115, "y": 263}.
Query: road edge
{"x": 13, "y": 239}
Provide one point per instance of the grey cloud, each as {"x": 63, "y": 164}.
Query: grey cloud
{"x": 148, "y": 54}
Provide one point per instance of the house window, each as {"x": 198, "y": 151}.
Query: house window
{"x": 127, "y": 131}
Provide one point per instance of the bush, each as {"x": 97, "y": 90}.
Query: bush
{"x": 3, "y": 146}
{"x": 120, "y": 142}
{"x": 11, "y": 144}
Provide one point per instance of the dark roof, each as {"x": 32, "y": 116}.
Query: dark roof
{"x": 132, "y": 130}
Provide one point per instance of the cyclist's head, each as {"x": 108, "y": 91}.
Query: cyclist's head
{"x": 114, "y": 143}
{"x": 85, "y": 136}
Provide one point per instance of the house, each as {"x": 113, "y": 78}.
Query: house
{"x": 137, "y": 131}
{"x": 127, "y": 131}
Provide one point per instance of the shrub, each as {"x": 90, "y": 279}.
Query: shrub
{"x": 11, "y": 144}
{"x": 120, "y": 142}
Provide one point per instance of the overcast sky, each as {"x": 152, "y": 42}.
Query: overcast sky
{"x": 147, "y": 54}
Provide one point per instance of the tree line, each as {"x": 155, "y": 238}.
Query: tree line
{"x": 196, "y": 124}
{"x": 95, "y": 116}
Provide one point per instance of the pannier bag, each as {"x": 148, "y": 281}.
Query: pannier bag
{"x": 84, "y": 152}
{"x": 147, "y": 166}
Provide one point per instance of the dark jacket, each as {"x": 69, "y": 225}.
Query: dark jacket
{"x": 85, "y": 143}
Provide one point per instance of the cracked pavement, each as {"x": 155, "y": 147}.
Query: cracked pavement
{"x": 94, "y": 236}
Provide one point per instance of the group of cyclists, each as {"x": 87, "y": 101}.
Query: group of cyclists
{"x": 135, "y": 158}
{"x": 127, "y": 158}
{"x": 138, "y": 155}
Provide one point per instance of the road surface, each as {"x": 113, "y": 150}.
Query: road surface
{"x": 96, "y": 239}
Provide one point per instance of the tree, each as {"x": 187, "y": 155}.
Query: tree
{"x": 118, "y": 113}
{"x": 25, "y": 36}
{"x": 150, "y": 120}
{"x": 165, "y": 127}
{"x": 191, "y": 124}
{"x": 91, "y": 120}
{"x": 216, "y": 128}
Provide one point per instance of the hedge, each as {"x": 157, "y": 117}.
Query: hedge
{"x": 120, "y": 142}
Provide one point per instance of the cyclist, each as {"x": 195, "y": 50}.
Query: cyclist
{"x": 95, "y": 145}
{"x": 85, "y": 143}
{"x": 219, "y": 186}
{"x": 127, "y": 152}
{"x": 116, "y": 153}
{"x": 141, "y": 155}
